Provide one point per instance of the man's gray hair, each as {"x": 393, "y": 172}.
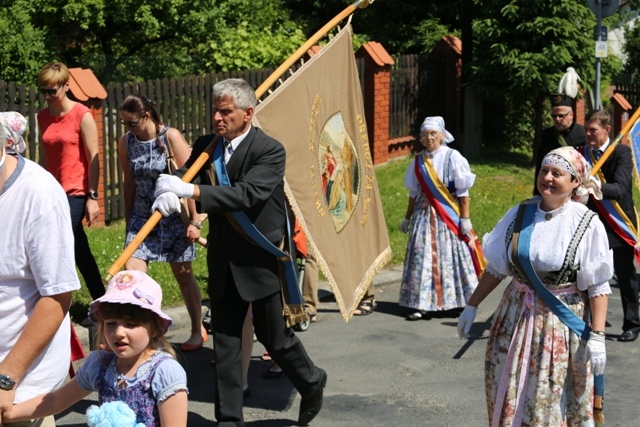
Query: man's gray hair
{"x": 238, "y": 90}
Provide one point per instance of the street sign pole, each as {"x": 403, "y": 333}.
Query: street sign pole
{"x": 602, "y": 9}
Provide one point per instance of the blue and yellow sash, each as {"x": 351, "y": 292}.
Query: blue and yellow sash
{"x": 447, "y": 208}
{"x": 611, "y": 212}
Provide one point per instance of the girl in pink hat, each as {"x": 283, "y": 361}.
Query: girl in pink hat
{"x": 139, "y": 368}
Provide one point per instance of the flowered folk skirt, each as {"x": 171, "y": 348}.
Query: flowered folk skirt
{"x": 438, "y": 269}
{"x": 537, "y": 371}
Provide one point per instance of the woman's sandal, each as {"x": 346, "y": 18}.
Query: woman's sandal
{"x": 365, "y": 308}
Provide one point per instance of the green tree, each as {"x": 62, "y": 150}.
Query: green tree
{"x": 631, "y": 46}
{"x": 401, "y": 26}
{"x": 522, "y": 49}
{"x": 23, "y": 45}
{"x": 125, "y": 40}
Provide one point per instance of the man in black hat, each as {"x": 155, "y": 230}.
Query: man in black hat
{"x": 565, "y": 131}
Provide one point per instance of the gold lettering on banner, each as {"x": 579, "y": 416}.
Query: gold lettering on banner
{"x": 369, "y": 179}
{"x": 316, "y": 194}
{"x": 315, "y": 108}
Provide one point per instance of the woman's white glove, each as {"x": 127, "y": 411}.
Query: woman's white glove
{"x": 465, "y": 321}
{"x": 598, "y": 353}
{"x": 465, "y": 225}
{"x": 404, "y": 226}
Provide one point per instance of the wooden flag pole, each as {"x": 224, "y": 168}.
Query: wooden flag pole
{"x": 625, "y": 130}
{"x": 206, "y": 154}
{"x": 308, "y": 44}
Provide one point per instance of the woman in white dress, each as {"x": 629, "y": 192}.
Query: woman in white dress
{"x": 439, "y": 271}
{"x": 538, "y": 371}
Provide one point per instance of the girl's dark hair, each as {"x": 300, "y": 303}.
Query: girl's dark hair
{"x": 137, "y": 104}
{"x": 137, "y": 315}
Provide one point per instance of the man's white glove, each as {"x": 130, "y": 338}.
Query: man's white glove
{"x": 166, "y": 203}
{"x": 171, "y": 183}
{"x": 465, "y": 321}
{"x": 404, "y": 226}
{"x": 465, "y": 225}
{"x": 598, "y": 353}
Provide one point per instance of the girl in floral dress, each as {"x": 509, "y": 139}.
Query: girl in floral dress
{"x": 537, "y": 371}
{"x": 139, "y": 368}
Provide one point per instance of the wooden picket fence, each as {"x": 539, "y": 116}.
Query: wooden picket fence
{"x": 185, "y": 104}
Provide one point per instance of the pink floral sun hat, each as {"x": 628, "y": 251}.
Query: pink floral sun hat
{"x": 136, "y": 288}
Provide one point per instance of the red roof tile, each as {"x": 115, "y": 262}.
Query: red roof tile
{"x": 622, "y": 101}
{"x": 378, "y": 53}
{"x": 85, "y": 85}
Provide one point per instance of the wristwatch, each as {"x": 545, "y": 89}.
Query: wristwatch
{"x": 93, "y": 195}
{"x": 6, "y": 383}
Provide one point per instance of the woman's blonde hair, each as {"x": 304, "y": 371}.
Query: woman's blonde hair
{"x": 53, "y": 74}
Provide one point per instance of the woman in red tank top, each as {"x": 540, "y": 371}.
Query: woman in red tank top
{"x": 69, "y": 137}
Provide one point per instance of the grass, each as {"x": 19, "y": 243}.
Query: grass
{"x": 503, "y": 179}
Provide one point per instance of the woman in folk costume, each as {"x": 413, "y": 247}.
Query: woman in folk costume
{"x": 439, "y": 269}
{"x": 541, "y": 355}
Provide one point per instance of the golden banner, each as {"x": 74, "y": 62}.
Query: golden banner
{"x": 318, "y": 115}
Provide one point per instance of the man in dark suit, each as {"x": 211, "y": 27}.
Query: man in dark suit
{"x": 617, "y": 171}
{"x": 241, "y": 272}
{"x": 565, "y": 131}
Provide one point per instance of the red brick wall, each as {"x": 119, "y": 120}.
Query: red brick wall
{"x": 95, "y": 105}
{"x": 381, "y": 109}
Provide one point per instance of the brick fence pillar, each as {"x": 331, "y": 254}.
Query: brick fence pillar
{"x": 622, "y": 112}
{"x": 377, "y": 100}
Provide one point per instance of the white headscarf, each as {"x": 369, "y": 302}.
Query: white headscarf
{"x": 436, "y": 123}
{"x": 570, "y": 160}
{"x": 14, "y": 125}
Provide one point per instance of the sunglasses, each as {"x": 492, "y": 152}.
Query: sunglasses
{"x": 559, "y": 116}
{"x": 49, "y": 92}
{"x": 131, "y": 124}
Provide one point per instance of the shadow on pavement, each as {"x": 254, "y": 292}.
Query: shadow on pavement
{"x": 275, "y": 394}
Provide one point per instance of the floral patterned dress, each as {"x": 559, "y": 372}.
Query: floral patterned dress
{"x": 537, "y": 371}
{"x": 438, "y": 269}
{"x": 167, "y": 242}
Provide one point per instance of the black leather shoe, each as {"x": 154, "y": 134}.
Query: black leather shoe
{"x": 628, "y": 336}
{"x": 311, "y": 404}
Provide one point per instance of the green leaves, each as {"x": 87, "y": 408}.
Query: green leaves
{"x": 124, "y": 40}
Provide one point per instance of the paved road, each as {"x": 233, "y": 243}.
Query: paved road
{"x": 385, "y": 371}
